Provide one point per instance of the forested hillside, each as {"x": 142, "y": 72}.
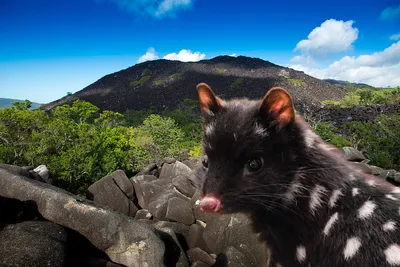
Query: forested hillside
{"x": 81, "y": 144}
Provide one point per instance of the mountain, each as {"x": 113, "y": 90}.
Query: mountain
{"x": 6, "y": 102}
{"x": 345, "y": 83}
{"x": 165, "y": 83}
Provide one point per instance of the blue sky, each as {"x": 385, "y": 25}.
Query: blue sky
{"x": 51, "y": 47}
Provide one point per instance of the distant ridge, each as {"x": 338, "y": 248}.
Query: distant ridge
{"x": 165, "y": 83}
{"x": 345, "y": 83}
{"x": 7, "y": 102}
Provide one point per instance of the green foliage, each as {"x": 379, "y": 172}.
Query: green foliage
{"x": 367, "y": 96}
{"x": 141, "y": 81}
{"x": 221, "y": 70}
{"x": 297, "y": 82}
{"x": 379, "y": 140}
{"x": 159, "y": 82}
{"x": 22, "y": 105}
{"x": 69, "y": 93}
{"x": 81, "y": 144}
{"x": 175, "y": 76}
{"x": 328, "y": 132}
{"x": 16, "y": 129}
{"x": 146, "y": 72}
{"x": 238, "y": 83}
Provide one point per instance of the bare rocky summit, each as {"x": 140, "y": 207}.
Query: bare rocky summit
{"x": 165, "y": 83}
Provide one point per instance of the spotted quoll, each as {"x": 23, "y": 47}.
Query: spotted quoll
{"x": 310, "y": 206}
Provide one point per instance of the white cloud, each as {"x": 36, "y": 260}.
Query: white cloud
{"x": 150, "y": 55}
{"x": 171, "y": 5}
{"x": 185, "y": 56}
{"x": 331, "y": 37}
{"x": 233, "y": 55}
{"x": 378, "y": 69}
{"x": 395, "y": 37}
{"x": 154, "y": 8}
{"x": 304, "y": 60}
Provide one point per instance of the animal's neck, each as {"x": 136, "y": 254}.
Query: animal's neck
{"x": 305, "y": 207}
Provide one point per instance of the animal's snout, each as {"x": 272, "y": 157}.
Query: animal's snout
{"x": 210, "y": 204}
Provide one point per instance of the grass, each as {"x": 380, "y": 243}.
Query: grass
{"x": 239, "y": 82}
{"x": 141, "y": 81}
{"x": 221, "y": 70}
{"x": 175, "y": 76}
{"x": 297, "y": 82}
{"x": 146, "y": 72}
{"x": 159, "y": 82}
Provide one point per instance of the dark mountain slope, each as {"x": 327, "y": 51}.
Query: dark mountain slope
{"x": 164, "y": 83}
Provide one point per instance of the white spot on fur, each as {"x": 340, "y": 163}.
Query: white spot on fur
{"x": 209, "y": 129}
{"x": 393, "y": 254}
{"x": 396, "y": 191}
{"x": 325, "y": 146}
{"x": 258, "y": 130}
{"x": 355, "y": 191}
{"x": 309, "y": 138}
{"x": 290, "y": 194}
{"x": 316, "y": 197}
{"x": 353, "y": 244}
{"x": 371, "y": 182}
{"x": 335, "y": 196}
{"x": 352, "y": 177}
{"x": 332, "y": 220}
{"x": 389, "y": 226}
{"x": 301, "y": 253}
{"x": 391, "y": 197}
{"x": 366, "y": 209}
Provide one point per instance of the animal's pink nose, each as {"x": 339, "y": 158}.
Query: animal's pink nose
{"x": 210, "y": 204}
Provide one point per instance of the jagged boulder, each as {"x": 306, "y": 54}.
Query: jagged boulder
{"x": 124, "y": 240}
{"x": 114, "y": 191}
{"x": 352, "y": 154}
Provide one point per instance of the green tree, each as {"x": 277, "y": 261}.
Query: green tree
{"x": 22, "y": 105}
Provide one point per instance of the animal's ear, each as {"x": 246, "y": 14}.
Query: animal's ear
{"x": 209, "y": 102}
{"x": 277, "y": 104}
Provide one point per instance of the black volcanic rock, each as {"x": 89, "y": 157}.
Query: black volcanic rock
{"x": 172, "y": 81}
{"x": 33, "y": 243}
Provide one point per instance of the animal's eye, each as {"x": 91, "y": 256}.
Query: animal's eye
{"x": 205, "y": 161}
{"x": 254, "y": 165}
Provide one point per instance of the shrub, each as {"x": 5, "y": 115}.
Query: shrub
{"x": 380, "y": 140}
{"x": 221, "y": 70}
{"x": 238, "y": 83}
{"x": 159, "y": 82}
{"x": 367, "y": 96}
{"x": 297, "y": 82}
{"x": 146, "y": 72}
{"x": 175, "y": 76}
{"x": 328, "y": 132}
{"x": 141, "y": 81}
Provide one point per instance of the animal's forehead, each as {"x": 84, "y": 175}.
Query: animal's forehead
{"x": 234, "y": 128}
{"x": 238, "y": 111}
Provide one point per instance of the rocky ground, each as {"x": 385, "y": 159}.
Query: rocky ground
{"x": 151, "y": 219}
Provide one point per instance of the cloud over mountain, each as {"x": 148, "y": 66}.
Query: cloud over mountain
{"x": 153, "y": 8}
{"x": 184, "y": 55}
{"x": 330, "y": 37}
